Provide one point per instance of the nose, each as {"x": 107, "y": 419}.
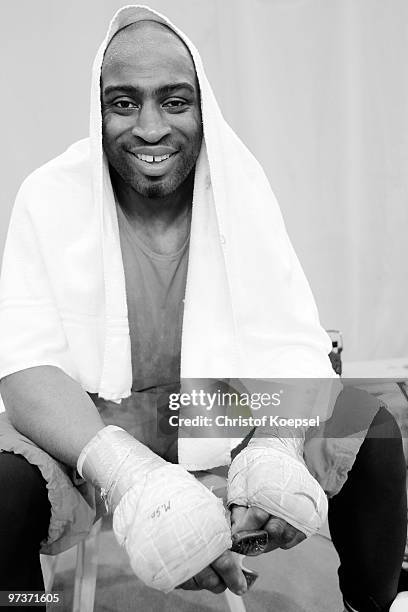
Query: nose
{"x": 151, "y": 124}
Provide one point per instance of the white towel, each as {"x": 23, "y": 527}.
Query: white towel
{"x": 249, "y": 311}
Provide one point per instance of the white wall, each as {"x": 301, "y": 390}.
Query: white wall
{"x": 318, "y": 90}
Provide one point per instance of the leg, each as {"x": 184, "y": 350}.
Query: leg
{"x": 368, "y": 519}
{"x": 24, "y": 519}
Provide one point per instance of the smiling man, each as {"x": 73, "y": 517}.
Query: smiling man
{"x": 135, "y": 261}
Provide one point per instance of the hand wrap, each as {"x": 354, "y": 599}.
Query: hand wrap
{"x": 270, "y": 473}
{"x": 171, "y": 526}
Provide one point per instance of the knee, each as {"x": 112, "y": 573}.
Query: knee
{"x": 382, "y": 452}
{"x": 385, "y": 428}
{"x": 384, "y": 425}
{"x": 24, "y": 498}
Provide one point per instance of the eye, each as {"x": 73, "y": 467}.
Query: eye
{"x": 176, "y": 104}
{"x": 124, "y": 104}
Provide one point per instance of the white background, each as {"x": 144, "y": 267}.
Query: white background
{"x": 318, "y": 90}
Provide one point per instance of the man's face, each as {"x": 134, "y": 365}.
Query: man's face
{"x": 151, "y": 115}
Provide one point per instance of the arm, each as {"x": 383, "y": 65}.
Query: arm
{"x": 52, "y": 409}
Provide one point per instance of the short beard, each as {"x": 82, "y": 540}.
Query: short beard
{"x": 156, "y": 189}
{"x": 152, "y": 191}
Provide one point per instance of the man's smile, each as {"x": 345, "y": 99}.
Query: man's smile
{"x": 152, "y": 158}
{"x": 154, "y": 165}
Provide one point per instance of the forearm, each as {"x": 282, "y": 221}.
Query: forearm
{"x": 51, "y": 409}
{"x": 285, "y": 439}
{"x": 139, "y": 487}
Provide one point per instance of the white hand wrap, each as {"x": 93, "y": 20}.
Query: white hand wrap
{"x": 270, "y": 473}
{"x": 171, "y": 526}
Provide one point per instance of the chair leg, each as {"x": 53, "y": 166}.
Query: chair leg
{"x": 234, "y": 602}
{"x": 86, "y": 571}
{"x": 48, "y": 566}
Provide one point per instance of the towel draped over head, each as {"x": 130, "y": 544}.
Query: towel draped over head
{"x": 249, "y": 311}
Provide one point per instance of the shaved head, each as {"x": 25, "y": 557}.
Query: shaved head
{"x": 144, "y": 36}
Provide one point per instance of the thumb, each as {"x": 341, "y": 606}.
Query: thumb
{"x": 237, "y": 515}
{"x": 247, "y": 519}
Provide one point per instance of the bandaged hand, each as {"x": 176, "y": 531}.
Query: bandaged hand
{"x": 270, "y": 487}
{"x": 171, "y": 526}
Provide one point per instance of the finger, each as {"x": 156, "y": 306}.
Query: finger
{"x": 275, "y": 528}
{"x": 189, "y": 585}
{"x": 237, "y": 515}
{"x": 248, "y": 519}
{"x": 228, "y": 569}
{"x": 281, "y": 534}
{"x": 209, "y": 579}
{"x": 294, "y": 541}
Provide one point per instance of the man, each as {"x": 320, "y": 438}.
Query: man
{"x": 152, "y": 252}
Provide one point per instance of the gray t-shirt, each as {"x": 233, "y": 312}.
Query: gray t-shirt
{"x": 155, "y": 287}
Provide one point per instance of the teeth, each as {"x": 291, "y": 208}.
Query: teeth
{"x": 152, "y": 158}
